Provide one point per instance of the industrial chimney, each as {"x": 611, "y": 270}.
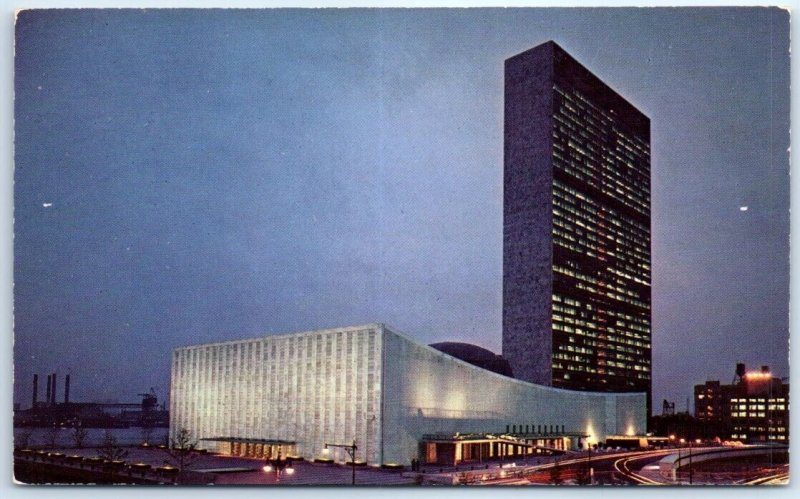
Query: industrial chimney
{"x": 49, "y": 386}
{"x": 66, "y": 390}
{"x": 35, "y": 390}
{"x": 53, "y": 391}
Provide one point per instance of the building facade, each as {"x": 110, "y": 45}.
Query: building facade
{"x": 576, "y": 228}
{"x": 755, "y": 408}
{"x": 397, "y": 399}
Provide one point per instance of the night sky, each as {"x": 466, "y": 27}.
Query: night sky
{"x": 195, "y": 176}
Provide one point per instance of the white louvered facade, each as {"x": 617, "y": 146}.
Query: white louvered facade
{"x": 371, "y": 384}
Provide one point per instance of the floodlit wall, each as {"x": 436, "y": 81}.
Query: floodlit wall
{"x": 312, "y": 388}
{"x": 370, "y": 384}
{"x": 427, "y": 391}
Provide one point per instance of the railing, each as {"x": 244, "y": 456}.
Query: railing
{"x": 138, "y": 472}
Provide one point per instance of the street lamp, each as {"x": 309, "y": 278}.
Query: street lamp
{"x": 351, "y": 451}
{"x": 279, "y": 466}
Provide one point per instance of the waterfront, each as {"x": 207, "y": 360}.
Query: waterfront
{"x": 39, "y": 438}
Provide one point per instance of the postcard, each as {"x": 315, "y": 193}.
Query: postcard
{"x": 487, "y": 246}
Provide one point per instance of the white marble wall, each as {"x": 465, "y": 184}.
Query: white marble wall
{"x": 371, "y": 384}
{"x": 312, "y": 388}
{"x": 428, "y": 392}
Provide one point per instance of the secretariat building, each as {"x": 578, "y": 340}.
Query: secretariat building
{"x": 576, "y": 316}
{"x": 576, "y": 228}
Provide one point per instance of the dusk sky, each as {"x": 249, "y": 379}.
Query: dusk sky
{"x": 195, "y": 176}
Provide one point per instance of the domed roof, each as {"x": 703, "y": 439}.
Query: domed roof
{"x": 475, "y": 355}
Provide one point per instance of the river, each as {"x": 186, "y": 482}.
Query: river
{"x": 64, "y": 437}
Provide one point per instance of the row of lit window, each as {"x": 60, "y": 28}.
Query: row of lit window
{"x": 604, "y": 353}
{"x": 755, "y": 400}
{"x": 632, "y": 189}
{"x": 585, "y": 315}
{"x": 613, "y": 343}
{"x": 771, "y": 429}
{"x": 573, "y": 168}
{"x": 583, "y": 277}
{"x": 611, "y": 313}
{"x": 582, "y": 168}
{"x": 617, "y": 232}
{"x": 574, "y": 321}
{"x": 594, "y": 114}
{"x": 625, "y": 151}
{"x": 760, "y": 407}
{"x": 577, "y": 98}
{"x": 634, "y": 255}
{"x": 627, "y": 196}
{"x": 746, "y": 414}
{"x": 609, "y": 212}
{"x": 622, "y": 328}
{"x": 614, "y": 296}
{"x": 597, "y": 226}
{"x": 585, "y": 203}
{"x": 584, "y": 368}
{"x": 609, "y": 162}
{"x": 636, "y": 341}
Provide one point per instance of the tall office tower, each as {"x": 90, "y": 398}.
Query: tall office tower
{"x": 576, "y": 228}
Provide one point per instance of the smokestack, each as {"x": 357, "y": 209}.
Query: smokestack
{"x": 765, "y": 369}
{"x": 66, "y": 390}
{"x": 35, "y": 389}
{"x": 53, "y": 391}
{"x": 49, "y": 386}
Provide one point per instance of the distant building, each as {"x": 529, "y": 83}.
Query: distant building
{"x": 576, "y": 228}
{"x": 755, "y": 408}
{"x": 397, "y": 399}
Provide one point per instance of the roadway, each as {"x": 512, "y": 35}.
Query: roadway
{"x": 641, "y": 468}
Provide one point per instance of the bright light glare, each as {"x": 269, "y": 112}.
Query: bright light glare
{"x": 290, "y": 471}
{"x": 743, "y": 208}
{"x": 267, "y": 468}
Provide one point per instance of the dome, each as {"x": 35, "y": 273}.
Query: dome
{"x": 475, "y": 355}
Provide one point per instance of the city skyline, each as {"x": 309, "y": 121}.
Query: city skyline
{"x": 170, "y": 192}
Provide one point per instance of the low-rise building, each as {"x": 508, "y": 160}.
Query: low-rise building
{"x": 755, "y": 408}
{"x": 392, "y": 397}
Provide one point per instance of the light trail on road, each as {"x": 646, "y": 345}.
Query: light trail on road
{"x": 622, "y": 466}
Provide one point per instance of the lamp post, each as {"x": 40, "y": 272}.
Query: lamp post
{"x": 278, "y": 465}
{"x": 690, "y": 461}
{"x": 351, "y": 451}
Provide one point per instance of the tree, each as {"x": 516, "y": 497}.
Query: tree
{"x": 22, "y": 438}
{"x": 147, "y": 432}
{"x": 51, "y": 437}
{"x": 110, "y": 449}
{"x": 79, "y": 434}
{"x": 181, "y": 449}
